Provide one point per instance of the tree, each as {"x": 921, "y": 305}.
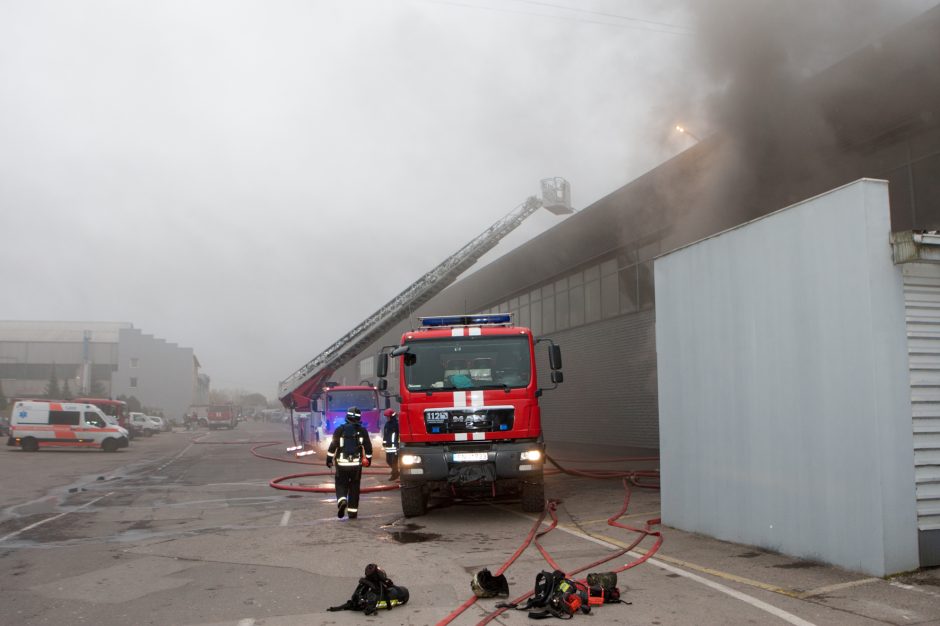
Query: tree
{"x": 97, "y": 390}
{"x": 133, "y": 404}
{"x": 253, "y": 399}
{"x": 67, "y": 391}
{"x": 52, "y": 388}
{"x": 3, "y": 398}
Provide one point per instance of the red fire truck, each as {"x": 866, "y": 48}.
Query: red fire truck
{"x": 470, "y": 420}
{"x": 114, "y": 408}
{"x": 334, "y": 401}
{"x": 222, "y": 416}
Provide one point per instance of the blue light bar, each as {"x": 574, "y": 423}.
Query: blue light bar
{"x": 467, "y": 320}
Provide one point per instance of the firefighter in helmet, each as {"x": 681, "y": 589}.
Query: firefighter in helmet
{"x": 351, "y": 450}
{"x": 390, "y": 441}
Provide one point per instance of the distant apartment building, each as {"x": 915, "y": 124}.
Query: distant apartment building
{"x": 110, "y": 359}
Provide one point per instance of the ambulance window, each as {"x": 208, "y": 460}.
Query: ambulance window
{"x": 65, "y": 418}
{"x": 94, "y": 419}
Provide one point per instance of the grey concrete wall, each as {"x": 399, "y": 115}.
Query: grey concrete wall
{"x": 784, "y": 397}
{"x": 165, "y": 373}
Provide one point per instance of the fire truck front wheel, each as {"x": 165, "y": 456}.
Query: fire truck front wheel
{"x": 29, "y": 445}
{"x": 414, "y": 501}
{"x": 533, "y": 497}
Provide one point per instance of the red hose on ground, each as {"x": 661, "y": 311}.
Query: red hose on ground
{"x": 525, "y": 544}
{"x": 314, "y": 489}
{"x": 612, "y": 521}
{"x": 303, "y": 488}
{"x": 634, "y": 477}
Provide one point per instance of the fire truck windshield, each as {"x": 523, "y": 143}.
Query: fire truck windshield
{"x": 342, "y": 399}
{"x": 476, "y": 362}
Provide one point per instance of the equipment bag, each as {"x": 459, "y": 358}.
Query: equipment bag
{"x": 607, "y": 583}
{"x": 556, "y": 596}
{"x": 375, "y": 591}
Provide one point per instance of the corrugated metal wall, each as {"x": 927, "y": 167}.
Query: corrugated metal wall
{"x": 922, "y": 303}
{"x": 609, "y": 394}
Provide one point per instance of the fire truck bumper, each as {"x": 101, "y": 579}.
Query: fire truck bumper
{"x": 471, "y": 464}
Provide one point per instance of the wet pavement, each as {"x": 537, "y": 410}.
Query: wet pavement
{"x": 174, "y": 532}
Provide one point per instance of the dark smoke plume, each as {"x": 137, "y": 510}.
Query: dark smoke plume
{"x": 754, "y": 59}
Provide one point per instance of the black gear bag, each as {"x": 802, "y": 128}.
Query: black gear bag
{"x": 556, "y": 596}
{"x": 375, "y": 591}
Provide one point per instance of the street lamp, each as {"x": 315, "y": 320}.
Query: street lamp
{"x": 686, "y": 131}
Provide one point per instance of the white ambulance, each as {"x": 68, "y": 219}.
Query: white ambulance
{"x": 36, "y": 424}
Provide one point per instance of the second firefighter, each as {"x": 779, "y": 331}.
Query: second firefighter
{"x": 350, "y": 450}
{"x": 390, "y": 441}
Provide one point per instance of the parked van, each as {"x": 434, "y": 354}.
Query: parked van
{"x": 37, "y": 424}
{"x": 144, "y": 425}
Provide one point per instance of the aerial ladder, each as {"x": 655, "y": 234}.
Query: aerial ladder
{"x": 297, "y": 390}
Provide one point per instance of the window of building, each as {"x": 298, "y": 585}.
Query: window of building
{"x": 576, "y": 308}
{"x": 629, "y": 300}
{"x": 133, "y": 381}
{"x": 135, "y": 362}
{"x": 562, "y": 309}
{"x": 592, "y": 300}
{"x": 610, "y": 295}
{"x": 645, "y": 284}
{"x": 367, "y": 367}
{"x": 535, "y": 317}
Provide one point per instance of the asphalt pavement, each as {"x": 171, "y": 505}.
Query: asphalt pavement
{"x": 184, "y": 528}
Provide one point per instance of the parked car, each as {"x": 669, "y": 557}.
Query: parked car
{"x": 159, "y": 422}
{"x": 143, "y": 425}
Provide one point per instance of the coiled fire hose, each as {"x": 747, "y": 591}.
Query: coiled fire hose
{"x": 628, "y": 477}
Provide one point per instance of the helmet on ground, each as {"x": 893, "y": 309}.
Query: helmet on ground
{"x": 375, "y": 573}
{"x": 390, "y": 413}
{"x": 485, "y": 585}
{"x": 353, "y": 414}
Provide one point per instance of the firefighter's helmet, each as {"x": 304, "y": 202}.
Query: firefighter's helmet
{"x": 353, "y": 414}
{"x": 389, "y": 413}
{"x": 485, "y": 585}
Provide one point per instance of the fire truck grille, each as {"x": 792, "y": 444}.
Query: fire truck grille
{"x": 480, "y": 420}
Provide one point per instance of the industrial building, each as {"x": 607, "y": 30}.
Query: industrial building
{"x": 588, "y": 282}
{"x": 109, "y": 359}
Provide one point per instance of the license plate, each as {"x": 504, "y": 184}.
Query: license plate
{"x": 470, "y": 456}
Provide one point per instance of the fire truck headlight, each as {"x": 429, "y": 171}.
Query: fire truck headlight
{"x": 531, "y": 455}
{"x": 410, "y": 459}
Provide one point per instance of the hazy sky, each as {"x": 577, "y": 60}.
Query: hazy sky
{"x": 252, "y": 179}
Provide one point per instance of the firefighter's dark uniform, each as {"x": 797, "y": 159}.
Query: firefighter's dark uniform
{"x": 350, "y": 449}
{"x": 390, "y": 442}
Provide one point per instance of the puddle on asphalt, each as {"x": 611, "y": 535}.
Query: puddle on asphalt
{"x": 408, "y": 533}
{"x": 797, "y": 565}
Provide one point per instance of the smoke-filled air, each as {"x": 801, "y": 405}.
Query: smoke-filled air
{"x": 252, "y": 179}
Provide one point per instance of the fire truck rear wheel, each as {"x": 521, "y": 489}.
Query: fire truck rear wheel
{"x": 109, "y": 445}
{"x": 533, "y": 497}
{"x": 29, "y": 445}
{"x": 414, "y": 501}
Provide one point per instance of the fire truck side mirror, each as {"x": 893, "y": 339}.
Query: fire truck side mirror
{"x": 381, "y": 366}
{"x": 558, "y": 377}
{"x": 554, "y": 357}
{"x": 383, "y": 384}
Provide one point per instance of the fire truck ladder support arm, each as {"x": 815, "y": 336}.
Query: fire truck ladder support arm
{"x": 556, "y": 198}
